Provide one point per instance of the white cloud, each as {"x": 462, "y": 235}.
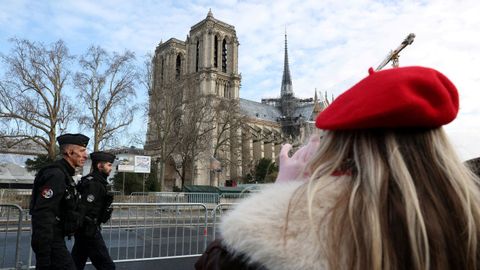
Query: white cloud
{"x": 331, "y": 43}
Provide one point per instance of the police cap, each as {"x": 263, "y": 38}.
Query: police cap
{"x": 102, "y": 156}
{"x": 77, "y": 139}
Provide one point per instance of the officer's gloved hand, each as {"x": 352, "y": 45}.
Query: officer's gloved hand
{"x": 73, "y": 222}
{"x": 89, "y": 226}
{"x": 107, "y": 215}
{"x": 294, "y": 168}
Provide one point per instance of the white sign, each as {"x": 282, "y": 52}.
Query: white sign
{"x": 126, "y": 164}
{"x": 142, "y": 164}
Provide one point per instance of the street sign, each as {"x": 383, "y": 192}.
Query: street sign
{"x": 126, "y": 164}
{"x": 142, "y": 164}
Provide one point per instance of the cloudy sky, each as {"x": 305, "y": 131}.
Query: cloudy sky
{"x": 331, "y": 43}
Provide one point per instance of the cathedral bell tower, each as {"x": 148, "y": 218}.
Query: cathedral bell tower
{"x": 191, "y": 78}
{"x": 212, "y": 50}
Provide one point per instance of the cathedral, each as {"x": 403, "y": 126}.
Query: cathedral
{"x": 204, "y": 67}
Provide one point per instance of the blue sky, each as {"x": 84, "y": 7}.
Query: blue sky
{"x": 331, "y": 43}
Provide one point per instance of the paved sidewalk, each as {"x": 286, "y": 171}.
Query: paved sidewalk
{"x": 164, "y": 264}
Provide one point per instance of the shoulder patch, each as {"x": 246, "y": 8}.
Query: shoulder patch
{"x": 47, "y": 192}
{"x": 90, "y": 198}
{"x": 89, "y": 177}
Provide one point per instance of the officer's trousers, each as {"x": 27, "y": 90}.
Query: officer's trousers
{"x": 56, "y": 257}
{"x": 93, "y": 248}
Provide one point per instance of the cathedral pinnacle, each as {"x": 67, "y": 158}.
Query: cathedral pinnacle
{"x": 210, "y": 14}
{"x": 286, "y": 79}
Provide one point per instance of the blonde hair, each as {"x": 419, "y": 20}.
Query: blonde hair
{"x": 408, "y": 203}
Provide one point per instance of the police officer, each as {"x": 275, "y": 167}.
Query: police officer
{"x": 95, "y": 205}
{"x": 54, "y": 202}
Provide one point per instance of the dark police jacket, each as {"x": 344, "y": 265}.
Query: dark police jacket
{"x": 53, "y": 206}
{"x": 95, "y": 202}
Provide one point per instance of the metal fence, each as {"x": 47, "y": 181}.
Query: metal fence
{"x": 136, "y": 231}
{"x": 154, "y": 197}
{"x": 145, "y": 231}
{"x": 10, "y": 230}
{"x": 19, "y": 197}
{"x": 209, "y": 199}
{"x": 217, "y": 214}
{"x": 226, "y": 198}
{"x": 22, "y": 197}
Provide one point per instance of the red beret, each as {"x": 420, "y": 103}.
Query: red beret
{"x": 394, "y": 98}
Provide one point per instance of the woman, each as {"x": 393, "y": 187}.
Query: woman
{"x": 384, "y": 188}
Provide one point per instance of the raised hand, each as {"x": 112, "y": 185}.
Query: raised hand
{"x": 294, "y": 168}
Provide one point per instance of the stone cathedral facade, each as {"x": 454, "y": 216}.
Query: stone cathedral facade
{"x": 209, "y": 58}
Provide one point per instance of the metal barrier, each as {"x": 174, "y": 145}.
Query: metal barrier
{"x": 19, "y": 197}
{"x": 148, "y": 231}
{"x": 217, "y": 213}
{"x": 209, "y": 199}
{"x": 10, "y": 230}
{"x": 154, "y": 197}
{"x": 136, "y": 232}
{"x": 116, "y": 192}
{"x": 233, "y": 197}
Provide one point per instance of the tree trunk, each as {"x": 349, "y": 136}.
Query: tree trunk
{"x": 161, "y": 174}
{"x": 51, "y": 146}
{"x": 51, "y": 151}
{"x": 183, "y": 177}
{"x": 96, "y": 140}
{"x": 192, "y": 176}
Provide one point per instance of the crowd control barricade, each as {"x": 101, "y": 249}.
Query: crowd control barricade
{"x": 154, "y": 197}
{"x": 232, "y": 197}
{"x": 186, "y": 197}
{"x": 116, "y": 193}
{"x": 217, "y": 214}
{"x": 145, "y": 231}
{"x": 209, "y": 199}
{"x": 18, "y": 197}
{"x": 149, "y": 231}
{"x": 10, "y": 235}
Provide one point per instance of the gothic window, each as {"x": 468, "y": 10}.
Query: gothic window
{"x": 226, "y": 93}
{"x": 161, "y": 70}
{"x": 224, "y": 56}
{"x": 215, "y": 52}
{"x": 178, "y": 66}
{"x": 197, "y": 58}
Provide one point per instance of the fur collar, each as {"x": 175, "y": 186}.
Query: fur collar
{"x": 257, "y": 227}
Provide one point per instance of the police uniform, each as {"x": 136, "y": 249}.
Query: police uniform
{"x": 53, "y": 210}
{"x": 95, "y": 205}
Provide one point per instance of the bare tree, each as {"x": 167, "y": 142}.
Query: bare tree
{"x": 33, "y": 105}
{"x": 107, "y": 87}
{"x": 195, "y": 133}
{"x": 164, "y": 116}
{"x": 227, "y": 139}
{"x": 229, "y": 122}
{"x": 182, "y": 121}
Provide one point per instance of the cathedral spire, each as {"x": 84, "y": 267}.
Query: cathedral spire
{"x": 287, "y": 88}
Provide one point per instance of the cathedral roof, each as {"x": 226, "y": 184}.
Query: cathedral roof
{"x": 214, "y": 20}
{"x": 259, "y": 110}
{"x": 305, "y": 111}
{"x": 172, "y": 42}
